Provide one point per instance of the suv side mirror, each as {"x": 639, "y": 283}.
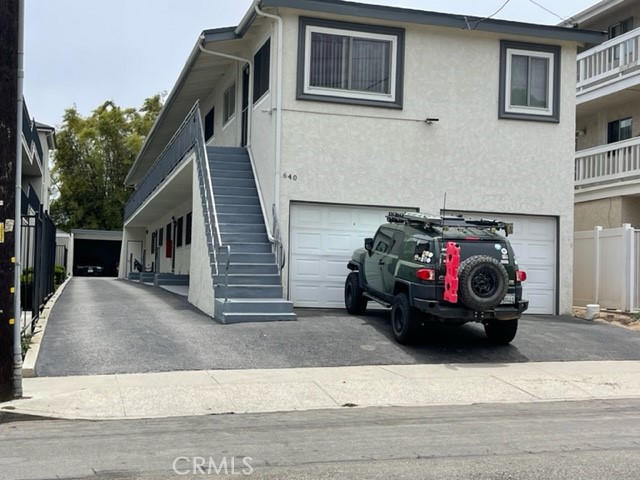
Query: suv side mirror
{"x": 368, "y": 244}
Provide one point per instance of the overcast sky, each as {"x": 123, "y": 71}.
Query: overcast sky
{"x": 83, "y": 52}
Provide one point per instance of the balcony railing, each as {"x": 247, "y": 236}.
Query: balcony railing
{"x": 182, "y": 142}
{"x": 30, "y": 134}
{"x": 608, "y": 61}
{"x": 615, "y": 162}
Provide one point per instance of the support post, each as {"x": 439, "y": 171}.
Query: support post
{"x": 9, "y": 134}
{"x": 596, "y": 239}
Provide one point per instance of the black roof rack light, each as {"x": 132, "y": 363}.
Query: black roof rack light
{"x": 429, "y": 221}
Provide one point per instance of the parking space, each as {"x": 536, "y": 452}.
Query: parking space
{"x": 103, "y": 325}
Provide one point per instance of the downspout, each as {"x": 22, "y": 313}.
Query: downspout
{"x": 278, "y": 20}
{"x": 17, "y": 227}
{"x": 238, "y": 59}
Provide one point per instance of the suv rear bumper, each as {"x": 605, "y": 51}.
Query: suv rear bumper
{"x": 502, "y": 312}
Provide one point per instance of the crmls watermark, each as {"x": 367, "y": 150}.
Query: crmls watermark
{"x": 212, "y": 466}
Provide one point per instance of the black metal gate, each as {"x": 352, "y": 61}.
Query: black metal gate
{"x": 38, "y": 253}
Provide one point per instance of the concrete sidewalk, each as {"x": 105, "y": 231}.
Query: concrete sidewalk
{"x": 169, "y": 394}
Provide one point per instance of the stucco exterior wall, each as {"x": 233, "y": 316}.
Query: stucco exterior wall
{"x": 379, "y": 156}
{"x": 225, "y": 134}
{"x": 201, "y": 293}
{"x": 129, "y": 234}
{"x": 607, "y": 213}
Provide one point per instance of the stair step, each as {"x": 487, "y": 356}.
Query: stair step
{"x": 252, "y": 268}
{"x": 248, "y": 174}
{"x": 244, "y": 237}
{"x": 252, "y": 258}
{"x": 241, "y": 218}
{"x": 253, "y": 305}
{"x": 235, "y": 200}
{"x": 233, "y": 182}
{"x": 250, "y": 247}
{"x": 230, "y": 318}
{"x": 249, "y": 291}
{"x": 248, "y": 279}
{"x": 242, "y": 228}
{"x": 216, "y": 150}
{"x": 220, "y": 165}
{"x": 239, "y": 209}
{"x": 236, "y": 191}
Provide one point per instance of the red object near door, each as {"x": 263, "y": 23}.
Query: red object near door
{"x": 168, "y": 248}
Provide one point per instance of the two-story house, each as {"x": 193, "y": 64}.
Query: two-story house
{"x": 287, "y": 139}
{"x": 607, "y": 163}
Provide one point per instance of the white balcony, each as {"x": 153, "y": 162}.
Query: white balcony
{"x": 610, "y": 67}
{"x": 608, "y": 170}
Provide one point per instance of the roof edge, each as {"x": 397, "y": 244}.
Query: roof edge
{"x": 463, "y": 22}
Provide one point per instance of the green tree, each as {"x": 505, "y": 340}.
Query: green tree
{"x": 92, "y": 160}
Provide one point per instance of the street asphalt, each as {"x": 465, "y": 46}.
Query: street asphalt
{"x": 109, "y": 326}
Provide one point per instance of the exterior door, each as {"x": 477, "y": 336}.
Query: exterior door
{"x": 375, "y": 262}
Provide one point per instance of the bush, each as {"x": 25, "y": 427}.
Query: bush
{"x": 59, "y": 275}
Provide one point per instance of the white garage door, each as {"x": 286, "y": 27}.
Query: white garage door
{"x": 323, "y": 237}
{"x": 534, "y": 242}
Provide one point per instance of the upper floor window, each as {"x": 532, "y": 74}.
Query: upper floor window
{"x": 229, "y": 109}
{"x": 621, "y": 28}
{"x": 529, "y": 81}
{"x": 208, "y": 124}
{"x": 350, "y": 63}
{"x": 619, "y": 130}
{"x": 261, "y": 63}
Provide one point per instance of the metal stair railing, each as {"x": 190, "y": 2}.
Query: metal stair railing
{"x": 212, "y": 227}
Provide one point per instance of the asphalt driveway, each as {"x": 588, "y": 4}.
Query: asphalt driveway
{"x": 105, "y": 326}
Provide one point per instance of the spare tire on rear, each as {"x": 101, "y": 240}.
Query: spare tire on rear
{"x": 483, "y": 282}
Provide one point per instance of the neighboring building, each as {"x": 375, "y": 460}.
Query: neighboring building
{"x": 38, "y": 232}
{"x": 342, "y": 112}
{"x": 607, "y": 164}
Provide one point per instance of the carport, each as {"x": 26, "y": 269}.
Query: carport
{"x": 95, "y": 248}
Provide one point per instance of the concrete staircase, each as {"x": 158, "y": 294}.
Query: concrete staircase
{"x": 254, "y": 290}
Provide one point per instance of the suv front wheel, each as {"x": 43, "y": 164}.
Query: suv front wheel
{"x": 403, "y": 319}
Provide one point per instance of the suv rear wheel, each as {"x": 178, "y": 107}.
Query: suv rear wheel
{"x": 404, "y": 319}
{"x": 483, "y": 282}
{"x": 354, "y": 301}
{"x": 501, "y": 332}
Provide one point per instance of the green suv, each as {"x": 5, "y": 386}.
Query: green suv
{"x": 439, "y": 269}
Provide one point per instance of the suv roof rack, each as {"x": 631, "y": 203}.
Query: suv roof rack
{"x": 429, "y": 220}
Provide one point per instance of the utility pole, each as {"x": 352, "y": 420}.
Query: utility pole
{"x": 9, "y": 132}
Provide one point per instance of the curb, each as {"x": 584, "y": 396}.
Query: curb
{"x": 30, "y": 359}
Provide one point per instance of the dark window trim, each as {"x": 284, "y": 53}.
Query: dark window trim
{"x": 262, "y": 71}
{"x": 555, "y": 110}
{"x": 188, "y": 228}
{"x": 349, "y": 26}
{"x": 179, "y": 231}
{"x": 160, "y": 236}
{"x": 154, "y": 237}
{"x": 209, "y": 124}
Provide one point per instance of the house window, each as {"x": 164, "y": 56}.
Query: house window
{"x": 621, "y": 28}
{"x": 208, "y": 124}
{"x": 261, "y": 62}
{"x": 350, "y": 63}
{"x": 229, "y": 109}
{"x": 529, "y": 81}
{"x": 619, "y": 130}
{"x": 187, "y": 233}
{"x": 179, "y": 230}
{"x": 160, "y": 235}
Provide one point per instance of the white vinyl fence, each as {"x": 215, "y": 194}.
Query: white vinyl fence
{"x": 606, "y": 268}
